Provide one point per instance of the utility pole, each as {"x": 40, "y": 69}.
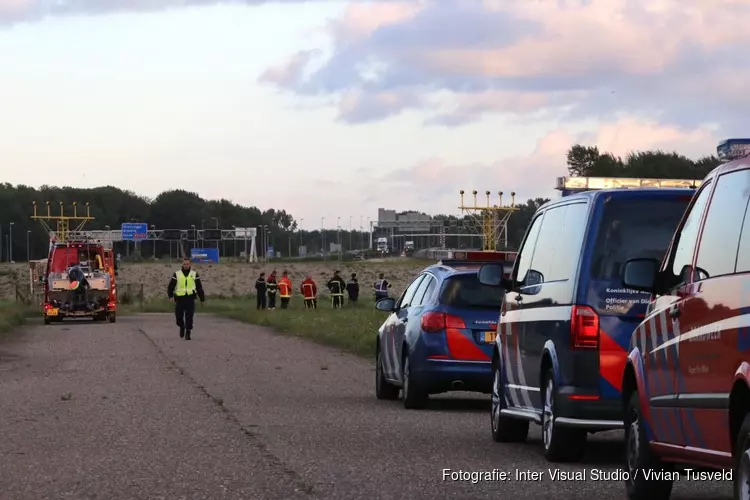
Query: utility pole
{"x": 10, "y": 242}
{"x": 323, "y": 238}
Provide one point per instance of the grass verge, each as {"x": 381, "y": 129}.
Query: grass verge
{"x": 12, "y": 315}
{"x": 351, "y": 328}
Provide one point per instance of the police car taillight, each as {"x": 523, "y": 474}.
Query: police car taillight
{"x": 433, "y": 322}
{"x": 584, "y": 328}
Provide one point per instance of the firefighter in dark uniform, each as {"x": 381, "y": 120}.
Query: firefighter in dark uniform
{"x": 183, "y": 288}
{"x": 273, "y": 287}
{"x": 352, "y": 289}
{"x": 337, "y": 285}
{"x": 78, "y": 284}
{"x": 260, "y": 290}
{"x": 381, "y": 287}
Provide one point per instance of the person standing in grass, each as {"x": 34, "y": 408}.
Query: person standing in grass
{"x": 260, "y": 289}
{"x": 285, "y": 289}
{"x": 310, "y": 293}
{"x": 272, "y": 288}
{"x": 353, "y": 289}
{"x": 337, "y": 285}
{"x": 381, "y": 287}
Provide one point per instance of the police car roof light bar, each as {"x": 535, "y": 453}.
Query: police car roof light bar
{"x": 478, "y": 257}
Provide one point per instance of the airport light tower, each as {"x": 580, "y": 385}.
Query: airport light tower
{"x": 62, "y": 221}
{"x": 493, "y": 219}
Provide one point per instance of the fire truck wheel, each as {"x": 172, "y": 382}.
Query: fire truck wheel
{"x": 112, "y": 317}
{"x": 47, "y": 321}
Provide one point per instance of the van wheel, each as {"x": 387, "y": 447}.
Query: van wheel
{"x": 383, "y": 388}
{"x": 415, "y": 398}
{"x": 504, "y": 429}
{"x": 639, "y": 458}
{"x": 741, "y": 473}
{"x": 561, "y": 444}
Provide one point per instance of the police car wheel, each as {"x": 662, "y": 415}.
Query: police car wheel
{"x": 561, "y": 444}
{"x": 415, "y": 398}
{"x": 639, "y": 457}
{"x": 504, "y": 429}
{"x": 741, "y": 473}
{"x": 383, "y": 388}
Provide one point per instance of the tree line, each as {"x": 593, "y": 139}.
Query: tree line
{"x": 179, "y": 209}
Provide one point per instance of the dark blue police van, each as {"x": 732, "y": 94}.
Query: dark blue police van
{"x": 566, "y": 320}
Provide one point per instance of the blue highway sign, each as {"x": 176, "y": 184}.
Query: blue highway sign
{"x": 134, "y": 231}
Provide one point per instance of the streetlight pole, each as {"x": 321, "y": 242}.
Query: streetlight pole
{"x": 28, "y": 246}
{"x": 301, "y": 221}
{"x": 350, "y": 233}
{"x": 369, "y": 229}
{"x": 269, "y": 241}
{"x": 338, "y": 237}
{"x": 10, "y": 242}
{"x": 323, "y": 238}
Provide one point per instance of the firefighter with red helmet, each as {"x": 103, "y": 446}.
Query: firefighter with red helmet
{"x": 310, "y": 293}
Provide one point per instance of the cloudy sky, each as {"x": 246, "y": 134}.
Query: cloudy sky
{"x": 335, "y": 108}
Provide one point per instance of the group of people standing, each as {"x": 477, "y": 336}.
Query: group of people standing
{"x": 267, "y": 288}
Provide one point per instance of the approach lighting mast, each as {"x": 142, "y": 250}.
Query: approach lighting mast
{"x": 493, "y": 219}
{"x": 62, "y": 221}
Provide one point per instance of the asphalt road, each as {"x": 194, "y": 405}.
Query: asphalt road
{"x": 131, "y": 411}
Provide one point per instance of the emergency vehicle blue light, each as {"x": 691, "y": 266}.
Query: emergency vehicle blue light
{"x": 731, "y": 149}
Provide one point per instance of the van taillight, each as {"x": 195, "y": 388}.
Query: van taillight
{"x": 436, "y": 322}
{"x": 584, "y": 328}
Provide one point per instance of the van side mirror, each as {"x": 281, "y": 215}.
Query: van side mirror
{"x": 640, "y": 274}
{"x": 387, "y": 304}
{"x": 493, "y": 275}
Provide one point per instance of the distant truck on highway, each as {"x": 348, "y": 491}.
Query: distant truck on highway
{"x": 409, "y": 248}
{"x": 382, "y": 245}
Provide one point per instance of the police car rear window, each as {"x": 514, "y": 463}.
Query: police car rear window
{"x": 465, "y": 290}
{"x": 633, "y": 228}
{"x": 630, "y": 228}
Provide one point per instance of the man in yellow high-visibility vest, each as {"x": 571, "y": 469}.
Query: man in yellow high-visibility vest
{"x": 183, "y": 288}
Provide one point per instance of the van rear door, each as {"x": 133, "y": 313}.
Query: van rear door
{"x": 632, "y": 224}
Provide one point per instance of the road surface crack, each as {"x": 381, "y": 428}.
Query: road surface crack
{"x": 253, "y": 437}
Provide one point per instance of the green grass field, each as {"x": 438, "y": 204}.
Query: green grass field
{"x": 351, "y": 328}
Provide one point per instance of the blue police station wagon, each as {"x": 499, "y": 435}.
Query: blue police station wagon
{"x": 440, "y": 333}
